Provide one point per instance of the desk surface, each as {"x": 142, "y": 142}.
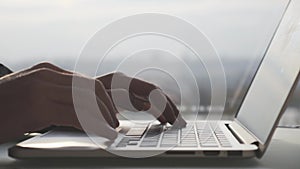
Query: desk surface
{"x": 284, "y": 152}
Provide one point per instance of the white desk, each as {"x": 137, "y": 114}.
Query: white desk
{"x": 283, "y": 153}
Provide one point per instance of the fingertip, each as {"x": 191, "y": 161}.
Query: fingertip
{"x": 170, "y": 114}
{"x": 162, "y": 119}
{"x": 110, "y": 133}
{"x": 182, "y": 122}
{"x": 179, "y": 123}
{"x": 117, "y": 123}
{"x": 113, "y": 136}
{"x": 174, "y": 107}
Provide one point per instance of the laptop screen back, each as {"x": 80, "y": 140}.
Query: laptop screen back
{"x": 274, "y": 79}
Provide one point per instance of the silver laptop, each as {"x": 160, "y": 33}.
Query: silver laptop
{"x": 248, "y": 135}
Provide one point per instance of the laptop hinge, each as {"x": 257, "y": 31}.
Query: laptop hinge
{"x": 243, "y": 134}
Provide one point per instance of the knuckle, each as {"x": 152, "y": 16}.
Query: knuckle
{"x": 150, "y": 86}
{"x": 119, "y": 74}
{"x": 116, "y": 74}
{"x": 153, "y": 87}
{"x": 43, "y": 65}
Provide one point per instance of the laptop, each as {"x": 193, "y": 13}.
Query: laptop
{"x": 247, "y": 135}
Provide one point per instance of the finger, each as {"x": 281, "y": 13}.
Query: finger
{"x": 86, "y": 98}
{"x": 143, "y": 104}
{"x": 63, "y": 96}
{"x": 104, "y": 96}
{"x": 66, "y": 114}
{"x": 141, "y": 87}
{"x": 162, "y": 119}
{"x": 107, "y": 79}
{"x": 109, "y": 117}
{"x": 121, "y": 81}
{"x": 99, "y": 88}
{"x": 67, "y": 80}
{"x": 91, "y": 124}
{"x": 158, "y": 114}
{"x": 100, "y": 129}
{"x": 121, "y": 98}
{"x": 179, "y": 120}
{"x": 159, "y": 107}
{"x": 140, "y": 103}
{"x": 139, "y": 91}
{"x": 169, "y": 113}
{"x": 173, "y": 106}
{"x": 77, "y": 81}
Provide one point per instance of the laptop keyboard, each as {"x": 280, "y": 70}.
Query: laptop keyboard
{"x": 152, "y": 136}
{"x": 193, "y": 135}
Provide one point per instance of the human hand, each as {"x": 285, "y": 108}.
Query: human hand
{"x": 139, "y": 93}
{"x": 42, "y": 96}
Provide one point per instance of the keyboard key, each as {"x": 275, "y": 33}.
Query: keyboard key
{"x": 209, "y": 145}
{"x": 128, "y": 141}
{"x": 200, "y": 134}
{"x": 148, "y": 144}
{"x": 132, "y": 143}
{"x": 169, "y": 138}
{"x": 136, "y": 132}
{"x": 121, "y": 145}
{"x": 168, "y": 145}
{"x": 188, "y": 145}
{"x": 152, "y": 136}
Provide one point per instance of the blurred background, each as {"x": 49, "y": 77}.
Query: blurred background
{"x": 56, "y": 31}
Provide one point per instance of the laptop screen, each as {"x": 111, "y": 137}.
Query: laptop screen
{"x": 274, "y": 78}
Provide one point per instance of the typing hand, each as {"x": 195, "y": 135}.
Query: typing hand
{"x": 123, "y": 88}
{"x": 42, "y": 96}
{"x": 139, "y": 95}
